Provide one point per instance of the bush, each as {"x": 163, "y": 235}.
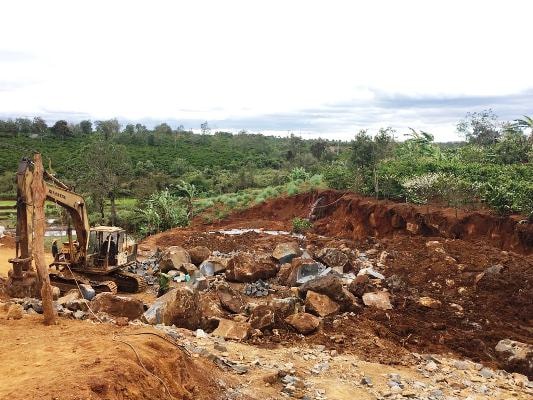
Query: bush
{"x": 299, "y": 173}
{"x": 421, "y": 189}
{"x": 292, "y": 189}
{"x": 337, "y": 176}
{"x": 162, "y": 211}
{"x": 301, "y": 225}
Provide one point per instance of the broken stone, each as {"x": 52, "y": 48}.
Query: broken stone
{"x": 173, "y": 258}
{"x": 285, "y": 307}
{"x": 303, "y": 270}
{"x": 320, "y": 304}
{"x": 117, "y": 306}
{"x": 370, "y": 271}
{"x": 15, "y": 311}
{"x": 87, "y": 291}
{"x": 262, "y": 317}
{"x": 257, "y": 289}
{"x": 178, "y": 307}
{"x": 199, "y": 254}
{"x": 331, "y": 286}
{"x": 200, "y": 333}
{"x": 189, "y": 269}
{"x": 72, "y": 294}
{"x": 243, "y": 267}
{"x": 429, "y": 302}
{"x": 334, "y": 259}
{"x": 77, "y": 305}
{"x": 328, "y": 285}
{"x": 285, "y": 252}
{"x": 213, "y": 266}
{"x": 304, "y": 323}
{"x": 232, "y": 330}
{"x": 515, "y": 356}
{"x": 284, "y": 273}
{"x": 230, "y": 299}
{"x": 379, "y": 300}
{"x": 56, "y": 293}
{"x": 360, "y": 285}
{"x": 200, "y": 283}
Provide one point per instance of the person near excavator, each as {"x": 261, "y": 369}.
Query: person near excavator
{"x": 55, "y": 249}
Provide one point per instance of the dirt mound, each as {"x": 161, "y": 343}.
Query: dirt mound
{"x": 8, "y": 241}
{"x": 76, "y": 360}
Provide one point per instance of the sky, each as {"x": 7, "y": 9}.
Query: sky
{"x": 314, "y": 68}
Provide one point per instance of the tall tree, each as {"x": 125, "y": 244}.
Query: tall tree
{"x": 86, "y": 127}
{"x": 318, "y": 148}
{"x": 108, "y": 129}
{"x": 61, "y": 129}
{"x": 480, "y": 128}
{"x": 39, "y": 126}
{"x": 106, "y": 167}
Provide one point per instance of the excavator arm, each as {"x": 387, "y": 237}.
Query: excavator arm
{"x": 56, "y": 192}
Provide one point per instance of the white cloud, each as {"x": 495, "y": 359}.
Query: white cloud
{"x": 242, "y": 60}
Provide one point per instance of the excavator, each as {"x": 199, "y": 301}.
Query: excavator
{"x": 99, "y": 256}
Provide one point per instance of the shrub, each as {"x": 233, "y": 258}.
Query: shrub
{"x": 299, "y": 173}
{"x": 162, "y": 211}
{"x": 301, "y": 225}
{"x": 292, "y": 189}
{"x": 421, "y": 189}
{"x": 337, "y": 176}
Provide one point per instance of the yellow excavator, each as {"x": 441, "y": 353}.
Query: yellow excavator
{"x": 99, "y": 256}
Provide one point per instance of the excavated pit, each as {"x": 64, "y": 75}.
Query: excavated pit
{"x": 476, "y": 312}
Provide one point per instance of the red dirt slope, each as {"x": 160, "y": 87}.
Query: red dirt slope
{"x": 351, "y": 216}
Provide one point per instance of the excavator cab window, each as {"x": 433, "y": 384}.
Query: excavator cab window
{"x": 94, "y": 243}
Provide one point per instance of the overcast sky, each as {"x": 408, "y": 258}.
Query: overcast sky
{"x": 325, "y": 68}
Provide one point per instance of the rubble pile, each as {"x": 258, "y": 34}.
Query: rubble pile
{"x": 294, "y": 291}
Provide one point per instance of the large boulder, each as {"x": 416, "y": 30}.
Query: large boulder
{"x": 516, "y": 356}
{"x": 230, "y": 299}
{"x": 285, "y": 307}
{"x": 285, "y": 252}
{"x": 243, "y": 267}
{"x": 333, "y": 258}
{"x": 213, "y": 265}
{"x": 379, "y": 300}
{"x": 303, "y": 270}
{"x": 232, "y": 330}
{"x": 199, "y": 254}
{"x": 320, "y": 304}
{"x": 178, "y": 307}
{"x": 303, "y": 322}
{"x": 262, "y": 317}
{"x": 173, "y": 258}
{"x": 331, "y": 286}
{"x": 117, "y": 306}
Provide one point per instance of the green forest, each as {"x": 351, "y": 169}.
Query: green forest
{"x": 152, "y": 179}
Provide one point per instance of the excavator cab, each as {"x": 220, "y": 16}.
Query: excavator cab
{"x": 107, "y": 248}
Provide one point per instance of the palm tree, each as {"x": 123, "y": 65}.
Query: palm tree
{"x": 526, "y": 123}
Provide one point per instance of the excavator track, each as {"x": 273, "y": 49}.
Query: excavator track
{"x": 68, "y": 282}
{"x": 128, "y": 282}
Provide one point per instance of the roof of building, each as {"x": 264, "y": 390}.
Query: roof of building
{"x": 109, "y": 229}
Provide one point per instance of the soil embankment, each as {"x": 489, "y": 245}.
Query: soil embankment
{"x": 80, "y": 360}
{"x": 350, "y": 216}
